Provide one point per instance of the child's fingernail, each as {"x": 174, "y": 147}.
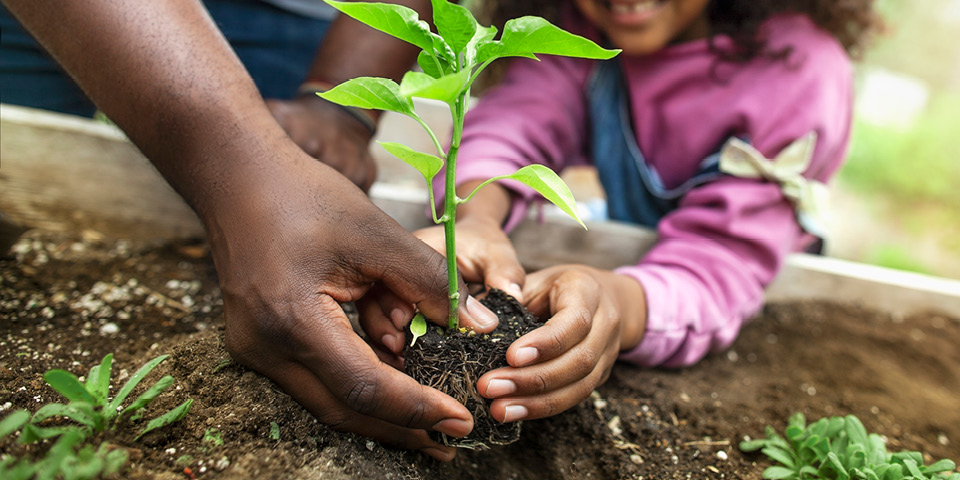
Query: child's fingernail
{"x": 392, "y": 341}
{"x": 480, "y": 314}
{"x": 514, "y": 412}
{"x": 454, "y": 427}
{"x": 499, "y": 387}
{"x": 525, "y": 356}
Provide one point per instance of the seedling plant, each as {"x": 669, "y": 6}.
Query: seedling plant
{"x": 93, "y": 411}
{"x": 839, "y": 448}
{"x": 450, "y": 60}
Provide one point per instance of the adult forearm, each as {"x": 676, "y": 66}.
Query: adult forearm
{"x": 165, "y": 75}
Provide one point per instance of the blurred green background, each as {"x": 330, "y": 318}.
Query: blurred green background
{"x": 897, "y": 198}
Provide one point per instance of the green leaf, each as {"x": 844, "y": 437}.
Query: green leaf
{"x": 868, "y": 474}
{"x": 113, "y": 460}
{"x": 901, "y": 457}
{"x": 146, "y": 397}
{"x": 548, "y": 184}
{"x": 446, "y": 88}
{"x": 12, "y": 422}
{"x": 780, "y": 455}
{"x": 454, "y": 23}
{"x": 370, "y": 92}
{"x": 808, "y": 470}
{"x": 82, "y": 413}
{"x": 32, "y": 433}
{"x": 428, "y": 63}
{"x": 98, "y": 381}
{"x": 166, "y": 419}
{"x": 834, "y": 426}
{"x": 483, "y": 37}
{"x": 753, "y": 445}
{"x": 912, "y": 468}
{"x": 111, "y": 410}
{"x": 68, "y": 385}
{"x": 396, "y": 20}
{"x": 797, "y": 420}
{"x": 418, "y": 327}
{"x": 833, "y": 461}
{"x": 944, "y": 465}
{"x": 23, "y": 469}
{"x": 856, "y": 431}
{"x": 890, "y": 472}
{"x": 274, "y": 431}
{"x": 776, "y": 472}
{"x": 428, "y": 165}
{"x": 876, "y": 450}
{"x": 528, "y": 36}
{"x": 794, "y": 433}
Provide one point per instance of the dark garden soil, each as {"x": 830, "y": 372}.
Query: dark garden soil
{"x": 453, "y": 362}
{"x": 67, "y": 302}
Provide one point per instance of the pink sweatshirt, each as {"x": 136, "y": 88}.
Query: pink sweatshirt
{"x": 728, "y": 238}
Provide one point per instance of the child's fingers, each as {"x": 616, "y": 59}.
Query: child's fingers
{"x": 504, "y": 271}
{"x": 514, "y": 408}
{"x": 572, "y": 298}
{"x": 572, "y": 367}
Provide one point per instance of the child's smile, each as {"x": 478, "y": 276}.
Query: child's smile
{"x": 632, "y": 13}
{"x": 640, "y": 27}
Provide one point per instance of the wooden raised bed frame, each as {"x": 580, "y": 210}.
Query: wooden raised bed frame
{"x": 64, "y": 173}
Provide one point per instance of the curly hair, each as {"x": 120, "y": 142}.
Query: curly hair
{"x": 850, "y": 21}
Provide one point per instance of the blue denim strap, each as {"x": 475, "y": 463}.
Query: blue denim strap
{"x": 635, "y": 191}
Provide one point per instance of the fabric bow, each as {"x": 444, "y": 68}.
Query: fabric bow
{"x": 809, "y": 197}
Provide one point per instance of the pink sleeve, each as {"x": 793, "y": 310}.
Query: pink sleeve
{"x": 728, "y": 239}
{"x": 537, "y": 114}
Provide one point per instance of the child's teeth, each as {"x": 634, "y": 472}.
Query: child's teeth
{"x": 632, "y": 7}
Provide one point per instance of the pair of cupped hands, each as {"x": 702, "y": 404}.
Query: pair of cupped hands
{"x": 302, "y": 240}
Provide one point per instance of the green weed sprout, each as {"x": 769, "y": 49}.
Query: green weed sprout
{"x": 93, "y": 411}
{"x": 839, "y": 448}
{"x": 451, "y": 60}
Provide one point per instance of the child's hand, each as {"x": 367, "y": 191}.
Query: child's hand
{"x": 484, "y": 254}
{"x": 594, "y": 314}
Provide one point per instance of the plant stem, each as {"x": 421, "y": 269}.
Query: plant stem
{"x": 450, "y": 202}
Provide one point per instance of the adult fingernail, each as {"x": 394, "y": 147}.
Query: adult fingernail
{"x": 525, "y": 356}
{"x": 512, "y": 413}
{"x": 393, "y": 342}
{"x": 480, "y": 314}
{"x": 440, "y": 454}
{"x": 454, "y": 427}
{"x": 499, "y": 387}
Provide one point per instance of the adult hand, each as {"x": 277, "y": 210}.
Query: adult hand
{"x": 328, "y": 133}
{"x": 594, "y": 314}
{"x": 296, "y": 243}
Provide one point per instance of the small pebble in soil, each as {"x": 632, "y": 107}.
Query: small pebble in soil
{"x": 109, "y": 329}
{"x": 721, "y": 455}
